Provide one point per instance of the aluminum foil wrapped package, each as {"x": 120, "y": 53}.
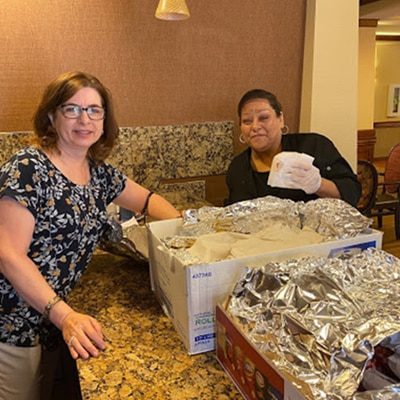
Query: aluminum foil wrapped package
{"x": 245, "y": 217}
{"x": 389, "y": 393}
{"x": 246, "y": 228}
{"x": 328, "y": 323}
{"x": 126, "y": 239}
{"x": 333, "y": 218}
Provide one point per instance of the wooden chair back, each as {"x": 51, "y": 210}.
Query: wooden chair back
{"x": 368, "y": 178}
{"x": 392, "y": 170}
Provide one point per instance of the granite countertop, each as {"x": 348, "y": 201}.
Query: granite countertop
{"x": 145, "y": 358}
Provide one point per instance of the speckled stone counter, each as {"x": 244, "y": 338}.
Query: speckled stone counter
{"x": 145, "y": 358}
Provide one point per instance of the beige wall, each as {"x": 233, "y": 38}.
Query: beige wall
{"x": 330, "y": 91}
{"x": 366, "y": 77}
{"x": 386, "y": 138}
{"x": 387, "y": 72}
{"x": 159, "y": 72}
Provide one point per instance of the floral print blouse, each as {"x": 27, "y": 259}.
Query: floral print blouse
{"x": 69, "y": 222}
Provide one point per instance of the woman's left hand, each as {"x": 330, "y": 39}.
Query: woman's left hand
{"x": 83, "y": 335}
{"x": 305, "y": 177}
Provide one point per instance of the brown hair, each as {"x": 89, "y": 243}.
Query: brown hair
{"x": 60, "y": 90}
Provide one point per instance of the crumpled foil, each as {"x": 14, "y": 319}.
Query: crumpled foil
{"x": 389, "y": 393}
{"x": 332, "y": 218}
{"x": 319, "y": 319}
{"x": 117, "y": 241}
{"x": 248, "y": 216}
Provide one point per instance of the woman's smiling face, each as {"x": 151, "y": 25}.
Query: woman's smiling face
{"x": 261, "y": 127}
{"x": 79, "y": 134}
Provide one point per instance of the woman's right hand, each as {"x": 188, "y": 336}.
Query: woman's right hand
{"x": 83, "y": 335}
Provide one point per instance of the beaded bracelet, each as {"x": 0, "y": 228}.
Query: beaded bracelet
{"x": 50, "y": 305}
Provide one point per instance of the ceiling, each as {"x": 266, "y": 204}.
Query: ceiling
{"x": 387, "y": 12}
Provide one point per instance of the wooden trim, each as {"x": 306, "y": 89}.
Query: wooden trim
{"x": 387, "y": 124}
{"x": 364, "y": 2}
{"x": 368, "y": 23}
{"x": 366, "y": 134}
{"x": 189, "y": 179}
{"x": 383, "y": 158}
{"x": 366, "y": 139}
{"x": 390, "y": 38}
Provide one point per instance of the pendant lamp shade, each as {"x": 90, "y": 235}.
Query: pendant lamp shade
{"x": 172, "y": 10}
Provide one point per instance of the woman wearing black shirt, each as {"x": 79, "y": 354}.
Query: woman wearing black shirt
{"x": 261, "y": 124}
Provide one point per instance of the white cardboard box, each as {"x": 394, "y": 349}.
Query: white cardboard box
{"x": 189, "y": 295}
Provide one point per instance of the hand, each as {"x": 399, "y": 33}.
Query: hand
{"x": 305, "y": 177}
{"x": 83, "y": 335}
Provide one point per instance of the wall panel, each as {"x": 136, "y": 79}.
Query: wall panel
{"x": 159, "y": 72}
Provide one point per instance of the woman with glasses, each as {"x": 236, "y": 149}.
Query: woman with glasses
{"x": 325, "y": 174}
{"x": 53, "y": 199}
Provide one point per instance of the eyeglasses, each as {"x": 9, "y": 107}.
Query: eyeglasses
{"x": 74, "y": 111}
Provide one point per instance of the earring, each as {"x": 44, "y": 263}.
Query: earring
{"x": 242, "y": 139}
{"x": 285, "y": 129}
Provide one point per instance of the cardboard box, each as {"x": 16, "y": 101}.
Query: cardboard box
{"x": 190, "y": 294}
{"x": 254, "y": 375}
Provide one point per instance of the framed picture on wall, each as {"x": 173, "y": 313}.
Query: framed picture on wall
{"x": 393, "y": 107}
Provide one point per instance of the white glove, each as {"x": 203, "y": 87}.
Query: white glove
{"x": 303, "y": 176}
{"x": 294, "y": 171}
